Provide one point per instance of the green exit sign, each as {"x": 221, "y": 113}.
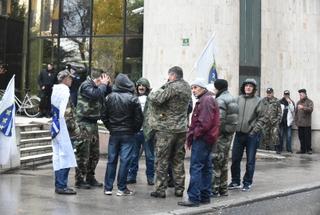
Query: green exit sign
{"x": 185, "y": 42}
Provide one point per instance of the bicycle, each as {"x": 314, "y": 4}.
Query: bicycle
{"x": 29, "y": 105}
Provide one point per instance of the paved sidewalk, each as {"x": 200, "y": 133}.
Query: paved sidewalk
{"x": 32, "y": 191}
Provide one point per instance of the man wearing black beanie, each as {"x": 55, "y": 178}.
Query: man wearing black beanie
{"x": 229, "y": 110}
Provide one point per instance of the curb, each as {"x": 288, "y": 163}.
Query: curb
{"x": 241, "y": 201}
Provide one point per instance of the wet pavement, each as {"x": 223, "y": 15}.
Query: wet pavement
{"x": 32, "y": 191}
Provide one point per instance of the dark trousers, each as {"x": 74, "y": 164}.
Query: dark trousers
{"x": 45, "y": 102}
{"x": 61, "y": 178}
{"x": 250, "y": 143}
{"x": 304, "y": 134}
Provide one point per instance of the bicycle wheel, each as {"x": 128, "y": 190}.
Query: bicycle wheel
{"x": 32, "y": 109}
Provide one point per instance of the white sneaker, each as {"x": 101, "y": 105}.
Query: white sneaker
{"x": 108, "y": 192}
{"x": 126, "y": 192}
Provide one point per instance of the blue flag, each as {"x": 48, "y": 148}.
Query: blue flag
{"x": 213, "y": 75}
{"x": 55, "y": 126}
{"x": 6, "y": 121}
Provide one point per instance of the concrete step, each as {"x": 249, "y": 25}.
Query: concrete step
{"x": 35, "y": 142}
{"x": 35, "y": 150}
{"x": 32, "y": 161}
{"x": 34, "y": 134}
{"x": 33, "y": 127}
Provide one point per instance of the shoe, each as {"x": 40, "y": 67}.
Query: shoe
{"x": 246, "y": 187}
{"x": 300, "y": 152}
{"x": 178, "y": 193}
{"x": 188, "y": 203}
{"x": 131, "y": 181}
{"x": 233, "y": 186}
{"x": 224, "y": 193}
{"x": 205, "y": 201}
{"x": 94, "y": 183}
{"x": 214, "y": 194}
{"x": 82, "y": 185}
{"x": 126, "y": 192}
{"x": 150, "y": 181}
{"x": 157, "y": 194}
{"x": 65, "y": 191}
{"x": 108, "y": 192}
{"x": 309, "y": 152}
{"x": 278, "y": 152}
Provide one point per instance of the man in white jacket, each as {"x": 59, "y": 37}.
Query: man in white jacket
{"x": 63, "y": 155}
{"x": 287, "y": 107}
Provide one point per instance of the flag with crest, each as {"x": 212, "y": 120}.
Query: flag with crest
{"x": 8, "y": 147}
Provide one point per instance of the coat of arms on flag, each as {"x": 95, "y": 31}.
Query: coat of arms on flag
{"x": 6, "y": 121}
{"x": 55, "y": 126}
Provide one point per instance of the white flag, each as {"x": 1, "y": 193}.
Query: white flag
{"x": 8, "y": 147}
{"x": 205, "y": 65}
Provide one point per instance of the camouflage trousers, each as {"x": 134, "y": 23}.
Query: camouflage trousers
{"x": 169, "y": 148}
{"x": 87, "y": 152}
{"x": 220, "y": 164}
{"x": 270, "y": 138}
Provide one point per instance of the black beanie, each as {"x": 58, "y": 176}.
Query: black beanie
{"x": 221, "y": 84}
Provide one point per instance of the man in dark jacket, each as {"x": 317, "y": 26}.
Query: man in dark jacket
{"x": 46, "y": 79}
{"x": 229, "y": 111}
{"x": 123, "y": 118}
{"x": 303, "y": 121}
{"x": 202, "y": 134}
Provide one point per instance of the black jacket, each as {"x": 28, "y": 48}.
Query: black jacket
{"x": 123, "y": 114}
{"x": 47, "y": 78}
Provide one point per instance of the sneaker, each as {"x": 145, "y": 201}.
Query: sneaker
{"x": 233, "y": 186}
{"x": 126, "y": 192}
{"x": 309, "y": 152}
{"x": 246, "y": 187}
{"x": 188, "y": 203}
{"x": 108, "y": 192}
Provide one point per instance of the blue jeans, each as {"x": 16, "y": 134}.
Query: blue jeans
{"x": 285, "y": 133}
{"x": 149, "y": 155}
{"x": 201, "y": 169}
{"x": 119, "y": 145}
{"x": 61, "y": 178}
{"x": 250, "y": 143}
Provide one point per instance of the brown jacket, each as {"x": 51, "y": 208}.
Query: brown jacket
{"x": 303, "y": 116}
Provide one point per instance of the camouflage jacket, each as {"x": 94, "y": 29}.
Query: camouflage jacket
{"x": 168, "y": 108}
{"x": 72, "y": 125}
{"x": 91, "y": 100}
{"x": 272, "y": 111}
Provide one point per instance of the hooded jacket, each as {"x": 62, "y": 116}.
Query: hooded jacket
{"x": 250, "y": 118}
{"x": 123, "y": 114}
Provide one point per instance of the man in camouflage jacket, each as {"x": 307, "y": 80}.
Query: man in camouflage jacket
{"x": 91, "y": 95}
{"x": 272, "y": 118}
{"x": 169, "y": 121}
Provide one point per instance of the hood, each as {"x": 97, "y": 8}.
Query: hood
{"x": 144, "y": 82}
{"x": 249, "y": 81}
{"x": 123, "y": 83}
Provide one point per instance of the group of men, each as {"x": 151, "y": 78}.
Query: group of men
{"x": 280, "y": 117}
{"x": 158, "y": 121}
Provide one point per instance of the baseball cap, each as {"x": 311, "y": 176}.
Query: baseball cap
{"x": 63, "y": 74}
{"x": 269, "y": 90}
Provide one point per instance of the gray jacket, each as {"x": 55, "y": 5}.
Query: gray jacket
{"x": 250, "y": 118}
{"x": 229, "y": 111}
